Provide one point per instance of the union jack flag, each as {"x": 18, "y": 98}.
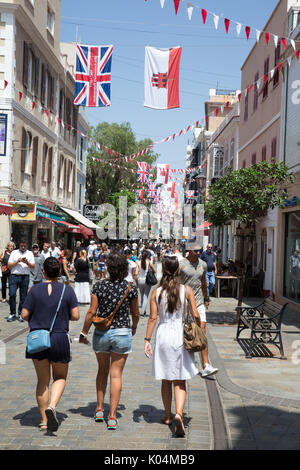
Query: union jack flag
{"x": 152, "y": 190}
{"x": 142, "y": 172}
{"x": 93, "y": 75}
{"x": 189, "y": 195}
{"x": 156, "y": 199}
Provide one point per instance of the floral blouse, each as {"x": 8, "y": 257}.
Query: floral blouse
{"x": 109, "y": 295}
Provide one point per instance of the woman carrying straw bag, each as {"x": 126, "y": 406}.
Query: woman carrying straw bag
{"x": 172, "y": 363}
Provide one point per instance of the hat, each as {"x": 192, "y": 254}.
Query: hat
{"x": 92, "y": 242}
{"x": 35, "y": 245}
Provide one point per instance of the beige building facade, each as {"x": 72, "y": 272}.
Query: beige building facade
{"x": 40, "y": 164}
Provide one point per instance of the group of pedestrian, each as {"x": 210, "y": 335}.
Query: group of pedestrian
{"x": 182, "y": 286}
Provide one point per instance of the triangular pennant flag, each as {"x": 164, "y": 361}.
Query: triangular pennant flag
{"x": 272, "y": 73}
{"x": 5, "y": 84}
{"x": 217, "y": 112}
{"x": 257, "y": 35}
{"x": 293, "y": 44}
{"x": 227, "y": 104}
{"x": 162, "y": 2}
{"x": 250, "y": 87}
{"x": 47, "y": 113}
{"x": 258, "y": 84}
{"x": 246, "y": 92}
{"x": 266, "y": 78}
{"x": 289, "y": 61}
{"x": 216, "y": 21}
{"x": 222, "y": 109}
{"x": 33, "y": 105}
{"x": 20, "y": 95}
{"x": 247, "y": 29}
{"x": 176, "y": 5}
{"x": 267, "y": 38}
{"x": 283, "y": 42}
{"x": 204, "y": 15}
{"x": 59, "y": 121}
{"x": 275, "y": 40}
{"x": 190, "y": 9}
{"x": 239, "y": 96}
{"x": 297, "y": 54}
{"x": 227, "y": 23}
{"x": 238, "y": 28}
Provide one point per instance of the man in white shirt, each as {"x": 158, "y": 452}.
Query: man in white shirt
{"x": 20, "y": 263}
{"x": 54, "y": 250}
{"x": 46, "y": 251}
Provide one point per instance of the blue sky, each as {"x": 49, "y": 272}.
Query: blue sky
{"x": 210, "y": 58}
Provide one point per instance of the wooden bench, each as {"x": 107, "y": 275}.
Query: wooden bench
{"x": 264, "y": 323}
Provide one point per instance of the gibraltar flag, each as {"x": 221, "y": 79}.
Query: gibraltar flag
{"x": 162, "y": 173}
{"x": 162, "y": 77}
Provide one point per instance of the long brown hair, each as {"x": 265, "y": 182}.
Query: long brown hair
{"x": 170, "y": 282}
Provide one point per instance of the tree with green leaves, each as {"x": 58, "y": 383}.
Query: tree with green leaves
{"x": 248, "y": 193}
{"x": 104, "y": 182}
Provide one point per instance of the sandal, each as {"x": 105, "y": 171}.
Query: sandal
{"x": 43, "y": 425}
{"x": 99, "y": 416}
{"x": 112, "y": 424}
{"x": 52, "y": 423}
{"x": 167, "y": 420}
{"x": 179, "y": 427}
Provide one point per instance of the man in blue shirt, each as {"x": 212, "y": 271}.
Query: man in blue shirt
{"x": 209, "y": 257}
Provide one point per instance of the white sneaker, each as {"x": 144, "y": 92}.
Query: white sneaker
{"x": 209, "y": 370}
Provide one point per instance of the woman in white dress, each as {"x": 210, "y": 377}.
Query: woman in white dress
{"x": 82, "y": 278}
{"x": 172, "y": 363}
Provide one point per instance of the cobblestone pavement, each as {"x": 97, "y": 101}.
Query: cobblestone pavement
{"x": 260, "y": 396}
{"x": 140, "y": 409}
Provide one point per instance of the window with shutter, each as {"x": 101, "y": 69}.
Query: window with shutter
{"x": 27, "y": 151}
{"x": 70, "y": 187}
{"x": 255, "y": 101}
{"x": 37, "y": 77}
{"x": 60, "y": 179}
{"x": 273, "y": 148}
{"x": 276, "y": 62}
{"x": 23, "y": 150}
{"x": 253, "y": 159}
{"x": 264, "y": 153}
{"x": 266, "y": 74}
{"x": 44, "y": 164}
{"x": 50, "y": 158}
{"x": 25, "y": 64}
{"x": 52, "y": 93}
{"x": 65, "y": 182}
{"x": 246, "y": 105}
{"x": 35, "y": 149}
{"x": 43, "y": 83}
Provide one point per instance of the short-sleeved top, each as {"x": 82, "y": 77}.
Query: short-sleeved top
{"x": 21, "y": 268}
{"x": 42, "y": 307}
{"x": 109, "y": 295}
{"x": 209, "y": 259}
{"x": 191, "y": 274}
{"x": 131, "y": 266}
{"x": 36, "y": 274}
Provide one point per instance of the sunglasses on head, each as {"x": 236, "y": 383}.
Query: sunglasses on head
{"x": 197, "y": 252}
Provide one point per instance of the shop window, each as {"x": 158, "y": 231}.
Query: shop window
{"x": 291, "y": 288}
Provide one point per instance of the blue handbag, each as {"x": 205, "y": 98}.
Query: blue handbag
{"x": 39, "y": 340}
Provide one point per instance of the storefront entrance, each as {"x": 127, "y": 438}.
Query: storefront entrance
{"x": 292, "y": 256}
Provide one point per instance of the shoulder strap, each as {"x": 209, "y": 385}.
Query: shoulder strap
{"x": 121, "y": 301}
{"x": 185, "y": 316}
{"x": 59, "y": 304}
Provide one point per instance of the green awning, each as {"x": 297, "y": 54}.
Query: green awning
{"x": 48, "y": 214}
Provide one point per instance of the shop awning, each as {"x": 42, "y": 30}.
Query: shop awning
{"x": 5, "y": 208}
{"x": 69, "y": 227}
{"x": 86, "y": 232}
{"x": 48, "y": 214}
{"x": 80, "y": 218}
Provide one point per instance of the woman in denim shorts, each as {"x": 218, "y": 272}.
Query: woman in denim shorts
{"x": 113, "y": 345}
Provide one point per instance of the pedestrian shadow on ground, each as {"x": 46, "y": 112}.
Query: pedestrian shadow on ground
{"x": 89, "y": 410}
{"x": 221, "y": 318}
{"x": 32, "y": 417}
{"x": 265, "y": 428}
{"x": 150, "y": 414}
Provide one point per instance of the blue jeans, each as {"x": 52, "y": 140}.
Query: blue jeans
{"x": 15, "y": 282}
{"x": 210, "y": 281}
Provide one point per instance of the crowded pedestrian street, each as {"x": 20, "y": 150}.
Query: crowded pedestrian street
{"x": 249, "y": 405}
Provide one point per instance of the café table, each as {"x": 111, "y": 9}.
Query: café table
{"x": 228, "y": 278}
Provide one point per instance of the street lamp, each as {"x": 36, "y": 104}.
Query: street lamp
{"x": 200, "y": 180}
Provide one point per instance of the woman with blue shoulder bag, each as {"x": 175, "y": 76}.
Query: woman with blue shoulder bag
{"x": 49, "y": 307}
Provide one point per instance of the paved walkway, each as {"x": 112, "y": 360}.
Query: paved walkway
{"x": 139, "y": 413}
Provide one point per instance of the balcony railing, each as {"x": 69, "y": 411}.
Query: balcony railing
{"x": 235, "y": 112}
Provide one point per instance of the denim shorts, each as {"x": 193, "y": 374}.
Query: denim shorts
{"x": 116, "y": 340}
{"x": 101, "y": 267}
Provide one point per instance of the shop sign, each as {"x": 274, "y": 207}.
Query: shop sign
{"x": 44, "y": 224}
{"x": 43, "y": 212}
{"x": 91, "y": 212}
{"x": 23, "y": 212}
{"x": 295, "y": 201}
{"x": 3, "y": 134}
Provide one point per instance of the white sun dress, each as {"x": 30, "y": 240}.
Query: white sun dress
{"x": 171, "y": 361}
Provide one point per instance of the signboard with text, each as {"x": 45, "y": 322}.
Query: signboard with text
{"x": 91, "y": 212}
